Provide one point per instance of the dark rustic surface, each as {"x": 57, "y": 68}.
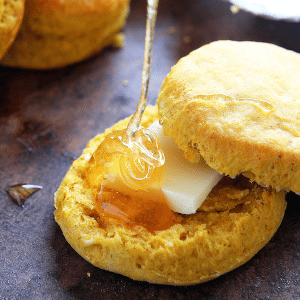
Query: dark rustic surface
{"x": 46, "y": 119}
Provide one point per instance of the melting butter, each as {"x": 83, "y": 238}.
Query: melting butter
{"x": 185, "y": 185}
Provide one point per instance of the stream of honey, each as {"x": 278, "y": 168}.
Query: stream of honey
{"x": 127, "y": 167}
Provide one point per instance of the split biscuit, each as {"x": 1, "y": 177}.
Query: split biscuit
{"x": 237, "y": 104}
{"x": 11, "y": 15}
{"x": 58, "y": 33}
{"x": 237, "y": 219}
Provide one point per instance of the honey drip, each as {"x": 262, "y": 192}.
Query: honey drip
{"x": 127, "y": 167}
{"x": 138, "y": 161}
{"x": 143, "y": 209}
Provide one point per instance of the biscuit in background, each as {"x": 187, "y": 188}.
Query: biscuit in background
{"x": 58, "y": 33}
{"x": 237, "y": 219}
{"x": 11, "y": 15}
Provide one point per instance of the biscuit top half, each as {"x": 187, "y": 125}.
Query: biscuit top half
{"x": 237, "y": 104}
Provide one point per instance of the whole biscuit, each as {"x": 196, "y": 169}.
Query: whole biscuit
{"x": 57, "y": 33}
{"x": 236, "y": 220}
{"x": 11, "y": 15}
{"x": 237, "y": 104}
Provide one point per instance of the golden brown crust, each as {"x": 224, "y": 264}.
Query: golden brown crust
{"x": 237, "y": 104}
{"x": 236, "y": 220}
{"x": 58, "y": 33}
{"x": 11, "y": 15}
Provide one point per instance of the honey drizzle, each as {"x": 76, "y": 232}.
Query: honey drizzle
{"x": 134, "y": 155}
{"x": 135, "y": 121}
{"x": 148, "y": 209}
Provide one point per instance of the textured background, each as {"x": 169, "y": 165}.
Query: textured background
{"x": 46, "y": 119}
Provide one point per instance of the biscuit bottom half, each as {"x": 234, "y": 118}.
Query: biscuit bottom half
{"x": 237, "y": 219}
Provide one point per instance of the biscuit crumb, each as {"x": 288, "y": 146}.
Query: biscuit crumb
{"x": 88, "y": 274}
{"x": 125, "y": 82}
{"x": 172, "y": 30}
{"x": 234, "y": 9}
{"x": 186, "y": 39}
{"x": 119, "y": 40}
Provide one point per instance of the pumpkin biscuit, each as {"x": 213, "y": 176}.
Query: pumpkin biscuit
{"x": 237, "y": 219}
{"x": 237, "y": 104}
{"x": 11, "y": 15}
{"x": 58, "y": 33}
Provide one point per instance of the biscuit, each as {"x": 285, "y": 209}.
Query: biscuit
{"x": 237, "y": 219}
{"x": 11, "y": 15}
{"x": 59, "y": 33}
{"x": 237, "y": 104}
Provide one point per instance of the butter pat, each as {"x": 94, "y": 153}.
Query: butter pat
{"x": 185, "y": 185}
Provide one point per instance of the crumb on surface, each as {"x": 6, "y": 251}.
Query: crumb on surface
{"x": 234, "y": 9}
{"x": 119, "y": 40}
{"x": 172, "y": 30}
{"x": 186, "y": 39}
